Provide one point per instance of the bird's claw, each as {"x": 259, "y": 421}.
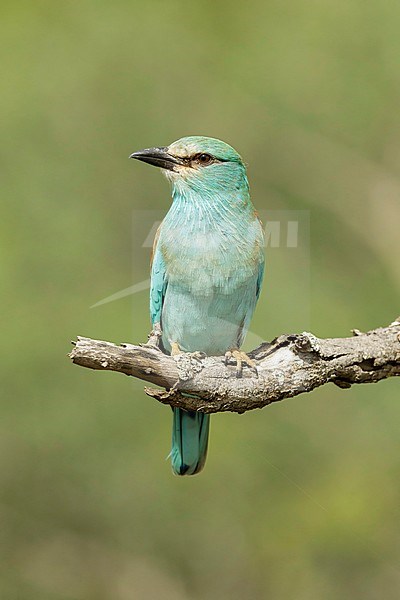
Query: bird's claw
{"x": 241, "y": 359}
{"x": 176, "y": 351}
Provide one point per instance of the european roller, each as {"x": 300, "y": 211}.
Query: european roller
{"x": 207, "y": 269}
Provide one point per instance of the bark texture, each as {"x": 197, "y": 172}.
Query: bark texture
{"x": 287, "y": 366}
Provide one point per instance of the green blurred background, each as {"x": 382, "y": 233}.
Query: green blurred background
{"x": 298, "y": 501}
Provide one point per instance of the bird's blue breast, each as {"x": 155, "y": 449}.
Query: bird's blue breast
{"x": 212, "y": 254}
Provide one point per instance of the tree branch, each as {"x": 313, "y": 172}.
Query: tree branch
{"x": 288, "y": 366}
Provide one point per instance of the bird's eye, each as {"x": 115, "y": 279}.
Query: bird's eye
{"x": 203, "y": 159}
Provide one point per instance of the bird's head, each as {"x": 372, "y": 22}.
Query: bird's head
{"x": 198, "y": 163}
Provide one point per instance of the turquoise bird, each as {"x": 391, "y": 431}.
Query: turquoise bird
{"x": 207, "y": 269}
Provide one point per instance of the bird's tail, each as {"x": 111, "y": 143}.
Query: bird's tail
{"x": 189, "y": 441}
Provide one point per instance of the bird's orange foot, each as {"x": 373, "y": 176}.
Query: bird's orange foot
{"x": 240, "y": 358}
{"x": 175, "y": 350}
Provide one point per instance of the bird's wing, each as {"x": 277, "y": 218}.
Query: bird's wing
{"x": 260, "y": 278}
{"x": 158, "y": 283}
{"x": 246, "y": 321}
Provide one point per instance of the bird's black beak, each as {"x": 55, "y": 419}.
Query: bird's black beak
{"x": 158, "y": 157}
